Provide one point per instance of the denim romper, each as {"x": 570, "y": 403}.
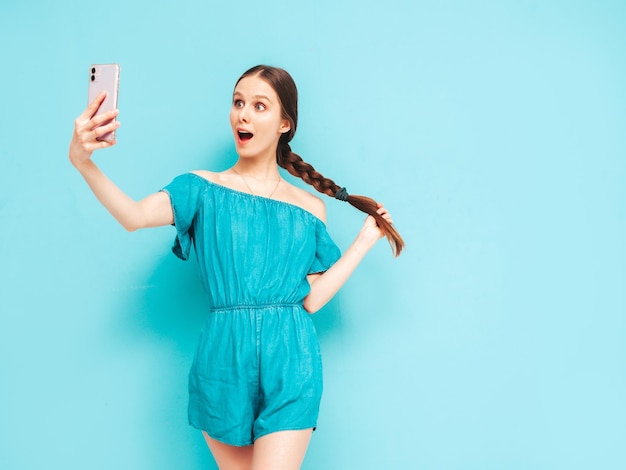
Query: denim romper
{"x": 257, "y": 367}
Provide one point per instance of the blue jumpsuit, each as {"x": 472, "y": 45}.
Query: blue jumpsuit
{"x": 257, "y": 368}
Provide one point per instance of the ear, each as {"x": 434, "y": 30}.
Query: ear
{"x": 284, "y": 126}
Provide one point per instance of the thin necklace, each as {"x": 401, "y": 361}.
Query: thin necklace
{"x": 250, "y": 189}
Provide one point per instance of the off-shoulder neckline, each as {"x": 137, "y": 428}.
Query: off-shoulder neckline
{"x": 256, "y": 196}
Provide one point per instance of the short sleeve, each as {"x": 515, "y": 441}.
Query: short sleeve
{"x": 326, "y": 252}
{"x": 184, "y": 192}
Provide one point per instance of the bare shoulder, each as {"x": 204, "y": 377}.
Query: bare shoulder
{"x": 208, "y": 175}
{"x": 221, "y": 178}
{"x": 309, "y": 202}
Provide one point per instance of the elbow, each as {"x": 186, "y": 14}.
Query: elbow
{"x": 310, "y": 306}
{"x": 130, "y": 226}
{"x": 310, "y": 310}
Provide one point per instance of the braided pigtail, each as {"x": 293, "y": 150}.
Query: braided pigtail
{"x": 287, "y": 93}
{"x": 294, "y": 164}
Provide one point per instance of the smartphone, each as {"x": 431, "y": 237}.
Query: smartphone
{"x": 105, "y": 77}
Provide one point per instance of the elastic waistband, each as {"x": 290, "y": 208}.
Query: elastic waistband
{"x": 230, "y": 308}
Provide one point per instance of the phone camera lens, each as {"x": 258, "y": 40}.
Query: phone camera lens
{"x": 93, "y": 70}
{"x": 93, "y": 77}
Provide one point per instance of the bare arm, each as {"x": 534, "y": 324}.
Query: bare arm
{"x": 325, "y": 286}
{"x": 153, "y": 211}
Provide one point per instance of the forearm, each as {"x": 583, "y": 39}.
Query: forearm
{"x": 152, "y": 211}
{"x": 328, "y": 284}
{"x": 123, "y": 208}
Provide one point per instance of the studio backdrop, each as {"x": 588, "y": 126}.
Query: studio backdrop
{"x": 493, "y": 131}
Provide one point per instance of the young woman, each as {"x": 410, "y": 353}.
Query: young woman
{"x": 266, "y": 261}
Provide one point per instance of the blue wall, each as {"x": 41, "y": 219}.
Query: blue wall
{"x": 493, "y": 131}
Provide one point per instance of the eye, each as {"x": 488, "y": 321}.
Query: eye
{"x": 259, "y": 107}
{"x": 237, "y": 103}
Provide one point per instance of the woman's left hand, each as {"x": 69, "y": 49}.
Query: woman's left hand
{"x": 370, "y": 231}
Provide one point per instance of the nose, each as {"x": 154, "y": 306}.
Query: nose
{"x": 243, "y": 114}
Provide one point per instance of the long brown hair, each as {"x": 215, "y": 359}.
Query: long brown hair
{"x": 285, "y": 88}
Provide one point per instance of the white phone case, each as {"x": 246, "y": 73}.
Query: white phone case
{"x": 105, "y": 77}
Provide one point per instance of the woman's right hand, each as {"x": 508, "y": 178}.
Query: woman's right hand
{"x": 87, "y": 130}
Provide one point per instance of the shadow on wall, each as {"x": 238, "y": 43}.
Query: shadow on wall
{"x": 172, "y": 303}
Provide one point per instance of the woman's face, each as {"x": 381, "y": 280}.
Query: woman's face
{"x": 256, "y": 118}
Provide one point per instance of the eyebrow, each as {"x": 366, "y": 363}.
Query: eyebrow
{"x": 255, "y": 97}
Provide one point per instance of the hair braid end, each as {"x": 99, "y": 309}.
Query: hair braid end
{"x": 370, "y": 207}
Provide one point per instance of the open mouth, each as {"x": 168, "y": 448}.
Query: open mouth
{"x": 244, "y": 136}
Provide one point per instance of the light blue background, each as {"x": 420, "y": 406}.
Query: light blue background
{"x": 494, "y": 131}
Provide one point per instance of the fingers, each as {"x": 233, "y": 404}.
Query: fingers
{"x": 96, "y": 121}
{"x": 86, "y": 134}
{"x": 104, "y": 117}
{"x": 381, "y": 209}
{"x": 92, "y": 108}
{"x": 99, "y": 144}
{"x": 91, "y": 128}
{"x": 82, "y": 124}
{"x": 99, "y": 131}
{"x": 88, "y": 117}
{"x": 383, "y": 212}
